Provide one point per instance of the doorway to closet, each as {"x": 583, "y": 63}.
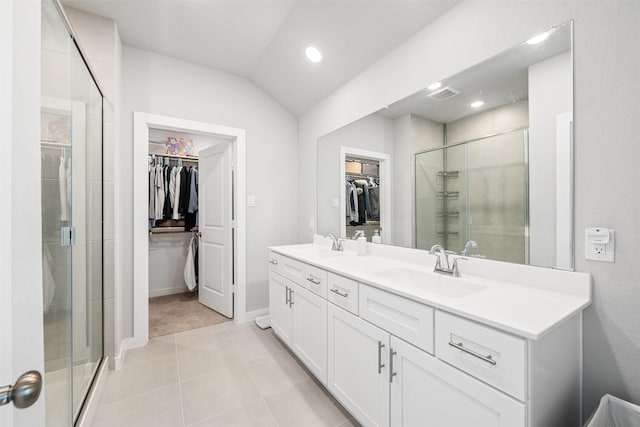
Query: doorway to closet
{"x": 189, "y": 252}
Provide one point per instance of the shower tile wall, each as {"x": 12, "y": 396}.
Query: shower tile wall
{"x": 101, "y": 43}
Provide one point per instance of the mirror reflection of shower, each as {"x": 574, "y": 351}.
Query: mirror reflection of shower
{"x": 476, "y": 190}
{"x": 362, "y": 197}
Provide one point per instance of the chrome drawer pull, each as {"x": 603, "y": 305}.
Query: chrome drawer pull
{"x": 314, "y": 281}
{"x": 337, "y": 292}
{"x": 290, "y": 297}
{"x": 392, "y": 374}
{"x": 273, "y": 261}
{"x": 380, "y": 365}
{"x": 460, "y": 346}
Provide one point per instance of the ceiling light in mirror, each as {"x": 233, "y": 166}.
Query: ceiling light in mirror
{"x": 435, "y": 86}
{"x": 539, "y": 38}
{"x": 314, "y": 54}
{"x": 476, "y": 104}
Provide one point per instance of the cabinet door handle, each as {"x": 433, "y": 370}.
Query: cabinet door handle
{"x": 273, "y": 261}
{"x": 287, "y": 296}
{"x": 312, "y": 280}
{"x": 461, "y": 347}
{"x": 380, "y": 365}
{"x": 337, "y": 292}
{"x": 392, "y": 374}
{"x": 291, "y": 292}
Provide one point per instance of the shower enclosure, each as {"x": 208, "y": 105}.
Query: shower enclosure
{"x": 71, "y": 177}
{"x": 475, "y": 190}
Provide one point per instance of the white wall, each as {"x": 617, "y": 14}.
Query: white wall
{"x": 163, "y": 85}
{"x": 501, "y": 119}
{"x": 606, "y": 147}
{"x": 550, "y": 94}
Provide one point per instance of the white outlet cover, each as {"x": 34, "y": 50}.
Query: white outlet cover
{"x": 251, "y": 201}
{"x": 336, "y": 203}
{"x": 596, "y": 245}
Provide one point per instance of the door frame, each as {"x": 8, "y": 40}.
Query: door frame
{"x": 142, "y": 122}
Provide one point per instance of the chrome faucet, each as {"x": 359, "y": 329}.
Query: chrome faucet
{"x": 443, "y": 255}
{"x": 336, "y": 244}
{"x": 357, "y": 234}
{"x": 467, "y": 248}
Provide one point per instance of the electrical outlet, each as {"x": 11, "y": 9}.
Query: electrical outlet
{"x": 599, "y": 244}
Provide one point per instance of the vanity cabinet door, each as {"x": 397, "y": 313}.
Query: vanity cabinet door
{"x": 426, "y": 391}
{"x": 309, "y": 340}
{"x": 279, "y": 308}
{"x": 358, "y": 374}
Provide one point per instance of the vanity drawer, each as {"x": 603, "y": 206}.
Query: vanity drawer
{"x": 275, "y": 262}
{"x": 343, "y": 292}
{"x": 316, "y": 281}
{"x": 406, "y": 319}
{"x": 493, "y": 356}
{"x": 293, "y": 270}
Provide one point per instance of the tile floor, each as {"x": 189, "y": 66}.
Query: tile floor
{"x": 221, "y": 375}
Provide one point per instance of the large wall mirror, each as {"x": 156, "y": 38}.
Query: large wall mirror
{"x": 484, "y": 156}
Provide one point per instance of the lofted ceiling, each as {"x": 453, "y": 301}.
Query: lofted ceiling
{"x": 264, "y": 40}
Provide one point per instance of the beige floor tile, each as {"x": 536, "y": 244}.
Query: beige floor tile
{"x": 251, "y": 414}
{"x": 272, "y": 373}
{"x": 156, "y": 347}
{"x": 201, "y": 337}
{"x": 350, "y": 423}
{"x": 213, "y": 394}
{"x": 140, "y": 378}
{"x": 158, "y": 408}
{"x": 304, "y": 404}
{"x": 253, "y": 345}
{"x": 198, "y": 361}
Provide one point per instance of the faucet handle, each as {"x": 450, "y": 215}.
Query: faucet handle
{"x": 455, "y": 270}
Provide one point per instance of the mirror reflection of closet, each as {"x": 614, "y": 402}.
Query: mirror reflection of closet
{"x": 362, "y": 189}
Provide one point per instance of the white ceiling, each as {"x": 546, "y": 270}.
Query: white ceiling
{"x": 264, "y": 40}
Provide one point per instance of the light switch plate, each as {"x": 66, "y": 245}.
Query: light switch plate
{"x": 251, "y": 201}
{"x": 336, "y": 203}
{"x": 599, "y": 244}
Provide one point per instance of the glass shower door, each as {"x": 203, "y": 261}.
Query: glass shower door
{"x": 71, "y": 177}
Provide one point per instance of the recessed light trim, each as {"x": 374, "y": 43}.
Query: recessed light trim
{"x": 539, "y": 38}
{"x": 434, "y": 86}
{"x": 476, "y": 104}
{"x": 314, "y": 54}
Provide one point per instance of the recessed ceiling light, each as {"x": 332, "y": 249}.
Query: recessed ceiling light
{"x": 314, "y": 54}
{"x": 434, "y": 86}
{"x": 476, "y": 104}
{"x": 539, "y": 38}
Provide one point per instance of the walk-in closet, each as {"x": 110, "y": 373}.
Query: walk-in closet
{"x": 362, "y": 192}
{"x": 175, "y": 303}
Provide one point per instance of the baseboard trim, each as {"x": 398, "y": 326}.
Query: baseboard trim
{"x": 250, "y": 316}
{"x": 95, "y": 394}
{"x": 168, "y": 291}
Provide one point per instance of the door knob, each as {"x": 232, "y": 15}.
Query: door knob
{"x": 24, "y": 392}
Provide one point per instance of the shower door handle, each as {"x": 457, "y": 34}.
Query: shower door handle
{"x": 24, "y": 392}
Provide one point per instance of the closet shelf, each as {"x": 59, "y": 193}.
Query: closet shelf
{"x": 54, "y": 144}
{"x": 173, "y": 156}
{"x": 170, "y": 230}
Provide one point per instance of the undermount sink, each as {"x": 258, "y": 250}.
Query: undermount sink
{"x": 452, "y": 287}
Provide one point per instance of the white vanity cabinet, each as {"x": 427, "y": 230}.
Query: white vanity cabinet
{"x": 298, "y": 316}
{"x": 426, "y": 391}
{"x": 358, "y": 374}
{"x": 393, "y": 360}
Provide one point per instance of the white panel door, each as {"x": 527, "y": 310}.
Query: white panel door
{"x": 279, "y": 308}
{"x": 310, "y": 330}
{"x": 423, "y": 388}
{"x": 358, "y": 374}
{"x": 215, "y": 223}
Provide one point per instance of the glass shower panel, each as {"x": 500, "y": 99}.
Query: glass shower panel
{"x": 440, "y": 197}
{"x": 497, "y": 185}
{"x": 56, "y": 140}
{"x": 71, "y": 177}
{"x": 87, "y": 223}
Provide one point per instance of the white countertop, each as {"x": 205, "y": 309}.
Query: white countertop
{"x": 529, "y": 306}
